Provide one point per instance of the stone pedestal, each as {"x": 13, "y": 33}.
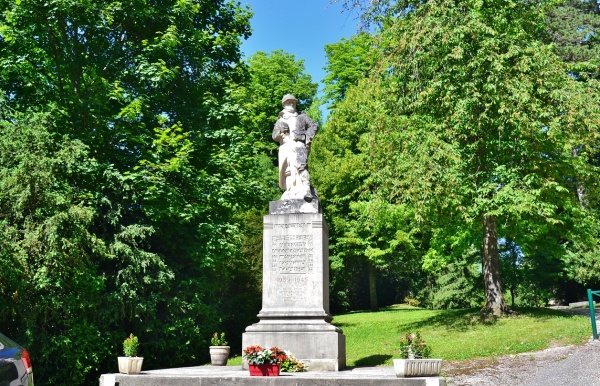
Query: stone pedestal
{"x": 295, "y": 304}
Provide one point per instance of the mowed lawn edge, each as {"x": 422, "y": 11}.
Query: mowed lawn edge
{"x": 372, "y": 338}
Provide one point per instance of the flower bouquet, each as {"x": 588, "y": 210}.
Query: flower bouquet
{"x": 292, "y": 365}
{"x": 270, "y": 361}
{"x": 264, "y": 361}
{"x": 412, "y": 346}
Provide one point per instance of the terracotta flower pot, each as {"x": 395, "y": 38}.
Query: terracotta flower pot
{"x": 265, "y": 370}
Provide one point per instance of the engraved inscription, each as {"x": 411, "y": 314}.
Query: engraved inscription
{"x": 292, "y": 288}
{"x": 293, "y": 225}
{"x": 292, "y": 254}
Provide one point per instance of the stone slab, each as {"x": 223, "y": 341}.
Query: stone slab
{"x": 320, "y": 351}
{"x": 580, "y": 304}
{"x": 294, "y": 206}
{"x": 235, "y": 375}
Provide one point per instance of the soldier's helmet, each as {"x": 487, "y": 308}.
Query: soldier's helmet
{"x": 288, "y": 97}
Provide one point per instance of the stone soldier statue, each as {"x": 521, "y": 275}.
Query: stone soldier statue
{"x": 294, "y": 132}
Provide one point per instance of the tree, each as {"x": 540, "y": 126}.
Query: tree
{"x": 365, "y": 230}
{"x": 143, "y": 84}
{"x": 141, "y": 223}
{"x": 348, "y": 61}
{"x": 459, "y": 284}
{"x": 378, "y": 232}
{"x": 574, "y": 27}
{"x": 476, "y": 119}
{"x": 52, "y": 291}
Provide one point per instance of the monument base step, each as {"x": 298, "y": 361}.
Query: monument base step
{"x": 236, "y": 376}
{"x": 320, "y": 351}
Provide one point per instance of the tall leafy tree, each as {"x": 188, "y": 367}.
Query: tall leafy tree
{"x": 149, "y": 172}
{"x": 143, "y": 84}
{"x": 366, "y": 230}
{"x": 52, "y": 290}
{"x": 348, "y": 61}
{"x": 476, "y": 120}
{"x": 574, "y": 27}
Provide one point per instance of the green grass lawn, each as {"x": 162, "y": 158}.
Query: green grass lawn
{"x": 372, "y": 338}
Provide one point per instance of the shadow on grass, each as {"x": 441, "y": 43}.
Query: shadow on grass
{"x": 460, "y": 320}
{"x": 373, "y": 360}
{"x": 547, "y": 313}
{"x": 465, "y": 319}
{"x": 344, "y": 325}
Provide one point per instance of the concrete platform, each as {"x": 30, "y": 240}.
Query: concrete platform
{"x": 234, "y": 375}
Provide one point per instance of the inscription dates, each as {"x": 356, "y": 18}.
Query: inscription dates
{"x": 292, "y": 288}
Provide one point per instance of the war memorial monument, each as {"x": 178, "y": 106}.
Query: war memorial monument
{"x": 295, "y": 301}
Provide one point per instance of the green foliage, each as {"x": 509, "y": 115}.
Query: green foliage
{"x": 117, "y": 204}
{"x": 574, "y": 28}
{"x": 44, "y": 224}
{"x": 375, "y": 231}
{"x": 474, "y": 118}
{"x": 218, "y": 340}
{"x": 292, "y": 365}
{"x": 363, "y": 227}
{"x": 130, "y": 346}
{"x": 348, "y": 61}
{"x": 459, "y": 284}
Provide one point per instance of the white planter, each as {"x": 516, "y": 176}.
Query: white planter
{"x": 219, "y": 355}
{"x": 130, "y": 365}
{"x": 417, "y": 367}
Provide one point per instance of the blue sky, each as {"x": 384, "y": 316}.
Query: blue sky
{"x": 301, "y": 28}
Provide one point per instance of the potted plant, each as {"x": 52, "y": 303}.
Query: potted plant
{"x": 416, "y": 360}
{"x": 264, "y": 361}
{"x": 219, "y": 350}
{"x": 130, "y": 363}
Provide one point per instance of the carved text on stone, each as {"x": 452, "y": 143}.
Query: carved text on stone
{"x": 292, "y": 254}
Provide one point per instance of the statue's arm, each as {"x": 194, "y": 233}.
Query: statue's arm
{"x": 311, "y": 128}
{"x": 281, "y": 128}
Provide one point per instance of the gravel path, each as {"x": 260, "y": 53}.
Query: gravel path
{"x": 568, "y": 366}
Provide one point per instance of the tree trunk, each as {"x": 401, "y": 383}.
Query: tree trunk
{"x": 581, "y": 193}
{"x": 373, "y": 287}
{"x": 513, "y": 291}
{"x": 494, "y": 301}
